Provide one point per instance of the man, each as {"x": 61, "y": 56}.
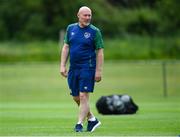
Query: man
{"x": 83, "y": 42}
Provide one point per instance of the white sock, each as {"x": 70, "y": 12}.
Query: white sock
{"x": 79, "y": 122}
{"x": 92, "y": 119}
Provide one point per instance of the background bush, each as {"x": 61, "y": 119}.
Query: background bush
{"x": 132, "y": 29}
{"x": 43, "y": 19}
{"x": 126, "y": 48}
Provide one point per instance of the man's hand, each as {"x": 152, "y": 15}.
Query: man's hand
{"x": 98, "y": 76}
{"x": 63, "y": 71}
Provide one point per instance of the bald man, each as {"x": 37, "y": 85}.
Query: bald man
{"x": 84, "y": 44}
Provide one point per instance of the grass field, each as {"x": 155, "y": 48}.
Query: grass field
{"x": 145, "y": 47}
{"x": 35, "y": 100}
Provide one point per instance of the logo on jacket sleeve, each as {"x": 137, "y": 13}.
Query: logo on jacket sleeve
{"x": 87, "y": 35}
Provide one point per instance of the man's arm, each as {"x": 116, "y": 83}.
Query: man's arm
{"x": 99, "y": 64}
{"x": 64, "y": 57}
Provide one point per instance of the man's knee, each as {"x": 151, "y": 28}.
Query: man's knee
{"x": 83, "y": 96}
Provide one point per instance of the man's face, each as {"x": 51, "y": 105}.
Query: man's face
{"x": 84, "y": 17}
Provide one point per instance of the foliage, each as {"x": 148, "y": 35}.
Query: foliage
{"x": 43, "y": 19}
{"x": 129, "y": 47}
{"x": 170, "y": 19}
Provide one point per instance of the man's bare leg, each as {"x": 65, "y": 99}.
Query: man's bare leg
{"x": 84, "y": 111}
{"x": 77, "y": 100}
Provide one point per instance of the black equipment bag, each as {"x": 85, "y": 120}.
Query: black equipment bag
{"x": 116, "y": 104}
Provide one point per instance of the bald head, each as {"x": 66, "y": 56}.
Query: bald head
{"x": 84, "y": 15}
{"x": 84, "y": 9}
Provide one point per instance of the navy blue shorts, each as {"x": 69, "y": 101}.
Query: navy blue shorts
{"x": 81, "y": 80}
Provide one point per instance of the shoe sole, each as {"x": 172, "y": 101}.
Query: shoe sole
{"x": 78, "y": 130}
{"x": 97, "y": 125}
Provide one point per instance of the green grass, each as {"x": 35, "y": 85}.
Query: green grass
{"x": 129, "y": 47}
{"x": 29, "y": 51}
{"x": 35, "y": 100}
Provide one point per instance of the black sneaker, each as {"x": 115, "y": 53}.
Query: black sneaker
{"x": 78, "y": 128}
{"x": 92, "y": 125}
